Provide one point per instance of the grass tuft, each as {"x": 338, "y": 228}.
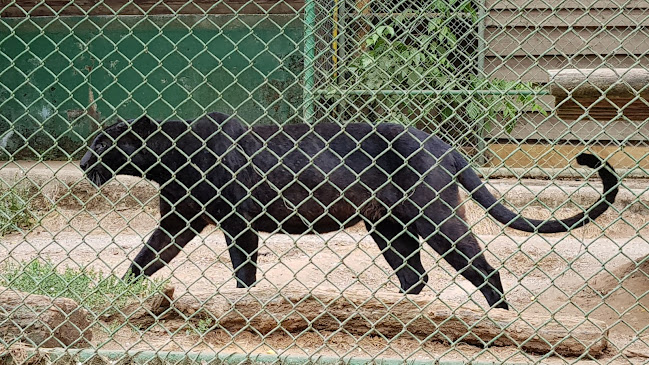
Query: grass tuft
{"x": 86, "y": 286}
{"x": 15, "y": 215}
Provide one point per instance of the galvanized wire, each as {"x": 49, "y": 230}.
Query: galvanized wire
{"x": 519, "y": 88}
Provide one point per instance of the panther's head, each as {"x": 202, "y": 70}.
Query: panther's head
{"x": 120, "y": 149}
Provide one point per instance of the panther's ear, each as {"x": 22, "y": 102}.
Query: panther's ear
{"x": 144, "y": 126}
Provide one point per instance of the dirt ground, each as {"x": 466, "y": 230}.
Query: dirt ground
{"x": 589, "y": 273}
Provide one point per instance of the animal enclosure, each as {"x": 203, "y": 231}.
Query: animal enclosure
{"x": 518, "y": 88}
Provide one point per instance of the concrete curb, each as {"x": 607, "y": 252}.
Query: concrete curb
{"x": 63, "y": 184}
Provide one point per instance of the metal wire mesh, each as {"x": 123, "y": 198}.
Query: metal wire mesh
{"x": 341, "y": 163}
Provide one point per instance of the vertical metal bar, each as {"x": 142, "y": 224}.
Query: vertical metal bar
{"x": 341, "y": 56}
{"x": 481, "y": 41}
{"x": 343, "y": 17}
{"x": 481, "y": 145}
{"x": 363, "y": 10}
{"x": 309, "y": 61}
{"x": 334, "y": 41}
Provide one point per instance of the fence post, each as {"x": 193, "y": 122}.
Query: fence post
{"x": 309, "y": 60}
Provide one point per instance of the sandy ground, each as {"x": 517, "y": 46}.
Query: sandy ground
{"x": 590, "y": 273}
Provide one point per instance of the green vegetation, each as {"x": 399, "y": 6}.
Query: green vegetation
{"x": 15, "y": 215}
{"x": 202, "y": 327}
{"x": 86, "y": 286}
{"x": 422, "y": 51}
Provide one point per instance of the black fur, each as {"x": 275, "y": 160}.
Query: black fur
{"x": 295, "y": 179}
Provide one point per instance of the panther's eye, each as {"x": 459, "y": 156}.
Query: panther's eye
{"x": 101, "y": 146}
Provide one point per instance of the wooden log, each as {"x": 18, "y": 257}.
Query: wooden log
{"x": 266, "y": 310}
{"x": 143, "y": 313}
{"x": 42, "y": 321}
{"x": 593, "y": 83}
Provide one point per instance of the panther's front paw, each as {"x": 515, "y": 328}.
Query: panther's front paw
{"x": 132, "y": 274}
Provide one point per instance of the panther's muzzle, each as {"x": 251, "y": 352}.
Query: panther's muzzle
{"x": 95, "y": 171}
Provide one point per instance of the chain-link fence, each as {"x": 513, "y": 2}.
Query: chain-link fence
{"x": 335, "y": 212}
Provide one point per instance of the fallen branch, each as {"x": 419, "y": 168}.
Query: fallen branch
{"x": 265, "y": 310}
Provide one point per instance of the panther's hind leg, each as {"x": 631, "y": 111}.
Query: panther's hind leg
{"x": 243, "y": 244}
{"x": 402, "y": 252}
{"x": 457, "y": 245}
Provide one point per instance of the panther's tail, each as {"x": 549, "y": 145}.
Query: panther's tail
{"x": 470, "y": 180}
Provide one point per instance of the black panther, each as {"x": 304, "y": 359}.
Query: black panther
{"x": 401, "y": 182}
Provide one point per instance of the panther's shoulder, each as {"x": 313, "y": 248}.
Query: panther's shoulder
{"x": 213, "y": 124}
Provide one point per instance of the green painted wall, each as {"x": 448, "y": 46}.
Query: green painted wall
{"x": 166, "y": 67}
